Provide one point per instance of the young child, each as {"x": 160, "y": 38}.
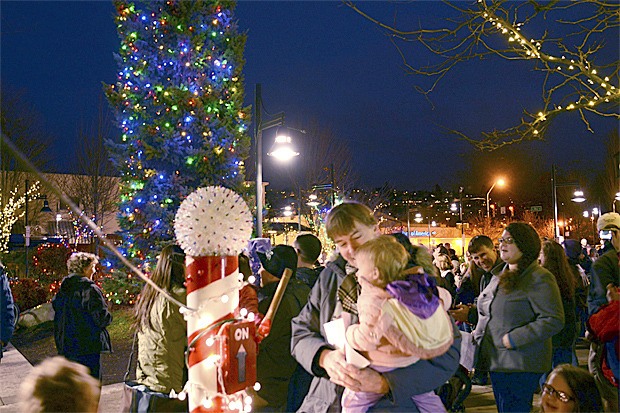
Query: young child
{"x": 403, "y": 318}
{"x": 59, "y": 385}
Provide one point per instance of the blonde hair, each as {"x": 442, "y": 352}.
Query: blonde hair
{"x": 341, "y": 219}
{"x": 388, "y": 255}
{"x": 59, "y": 385}
{"x": 443, "y": 262}
{"x": 79, "y": 261}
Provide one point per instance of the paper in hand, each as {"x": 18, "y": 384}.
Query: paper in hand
{"x": 335, "y": 333}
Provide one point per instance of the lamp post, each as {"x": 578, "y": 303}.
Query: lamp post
{"x": 578, "y": 197}
{"x": 282, "y": 148}
{"x": 418, "y": 218}
{"x": 46, "y": 208}
{"x": 462, "y": 223}
{"x": 499, "y": 182}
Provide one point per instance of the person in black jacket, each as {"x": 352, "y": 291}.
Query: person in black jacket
{"x": 275, "y": 365}
{"x": 308, "y": 248}
{"x": 82, "y": 315}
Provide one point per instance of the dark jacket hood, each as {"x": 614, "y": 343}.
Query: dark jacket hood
{"x": 72, "y": 281}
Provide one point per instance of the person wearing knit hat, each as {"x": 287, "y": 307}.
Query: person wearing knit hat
{"x": 275, "y": 365}
{"x": 518, "y": 314}
{"x": 605, "y": 269}
{"x": 605, "y": 272}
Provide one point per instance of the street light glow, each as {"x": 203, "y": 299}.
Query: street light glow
{"x": 501, "y": 182}
{"x": 283, "y": 148}
{"x": 578, "y": 197}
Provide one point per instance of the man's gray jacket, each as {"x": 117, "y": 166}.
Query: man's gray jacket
{"x": 309, "y": 340}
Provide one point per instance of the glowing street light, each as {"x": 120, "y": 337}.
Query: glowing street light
{"x": 577, "y": 197}
{"x": 282, "y": 148}
{"x": 499, "y": 182}
{"x": 313, "y": 201}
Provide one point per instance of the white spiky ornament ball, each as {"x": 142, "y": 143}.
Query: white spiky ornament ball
{"x": 213, "y": 221}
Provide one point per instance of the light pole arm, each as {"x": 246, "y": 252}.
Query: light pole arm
{"x": 488, "y": 198}
{"x": 259, "y": 160}
{"x": 259, "y": 127}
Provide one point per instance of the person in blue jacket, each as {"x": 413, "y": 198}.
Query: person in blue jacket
{"x": 335, "y": 296}
{"x": 7, "y": 310}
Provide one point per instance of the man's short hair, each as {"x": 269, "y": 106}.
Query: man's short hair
{"x": 342, "y": 218}
{"x": 308, "y": 247}
{"x": 478, "y": 242}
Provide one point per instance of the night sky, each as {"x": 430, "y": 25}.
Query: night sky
{"x": 316, "y": 61}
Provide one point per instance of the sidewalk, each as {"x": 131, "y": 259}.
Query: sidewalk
{"x": 15, "y": 367}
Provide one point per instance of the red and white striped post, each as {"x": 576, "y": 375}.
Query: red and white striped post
{"x": 221, "y": 346}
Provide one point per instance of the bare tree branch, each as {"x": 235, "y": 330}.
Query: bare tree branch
{"x": 575, "y": 78}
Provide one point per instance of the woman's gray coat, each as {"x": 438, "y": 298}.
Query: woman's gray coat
{"x": 530, "y": 314}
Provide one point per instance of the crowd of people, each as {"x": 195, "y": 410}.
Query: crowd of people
{"x": 400, "y": 310}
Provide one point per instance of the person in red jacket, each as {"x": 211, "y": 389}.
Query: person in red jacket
{"x": 603, "y": 327}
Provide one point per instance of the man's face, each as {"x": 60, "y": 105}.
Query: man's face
{"x": 615, "y": 239}
{"x": 347, "y": 244}
{"x": 484, "y": 258}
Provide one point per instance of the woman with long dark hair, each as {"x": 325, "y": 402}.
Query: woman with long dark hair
{"x": 162, "y": 331}
{"x": 554, "y": 259}
{"x": 519, "y": 311}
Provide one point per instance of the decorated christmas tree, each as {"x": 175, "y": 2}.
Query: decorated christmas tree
{"x": 178, "y": 101}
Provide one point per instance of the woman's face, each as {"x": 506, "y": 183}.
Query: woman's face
{"x": 554, "y": 390}
{"x": 541, "y": 257}
{"x": 508, "y": 251}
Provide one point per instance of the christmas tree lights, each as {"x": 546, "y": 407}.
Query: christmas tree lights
{"x": 178, "y": 101}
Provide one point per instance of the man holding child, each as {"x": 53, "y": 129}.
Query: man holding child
{"x": 335, "y": 296}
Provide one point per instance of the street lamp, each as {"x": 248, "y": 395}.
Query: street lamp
{"x": 577, "y": 197}
{"x": 462, "y": 223}
{"x": 418, "y": 218}
{"x": 313, "y": 201}
{"x": 282, "y": 149}
{"x": 499, "y": 182}
{"x": 46, "y": 208}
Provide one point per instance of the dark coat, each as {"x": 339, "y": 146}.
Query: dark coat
{"x": 81, "y": 317}
{"x": 308, "y": 276}
{"x": 275, "y": 365}
{"x": 567, "y": 336}
{"x": 605, "y": 271}
{"x": 7, "y": 310}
